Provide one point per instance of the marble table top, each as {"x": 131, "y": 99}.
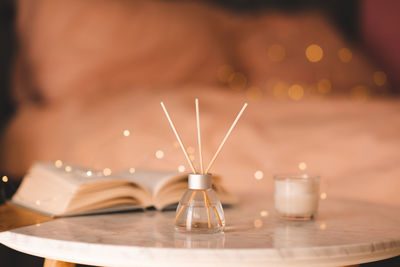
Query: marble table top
{"x": 345, "y": 232}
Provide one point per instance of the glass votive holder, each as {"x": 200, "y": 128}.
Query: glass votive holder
{"x": 296, "y": 196}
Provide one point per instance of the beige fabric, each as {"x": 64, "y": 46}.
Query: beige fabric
{"x": 87, "y": 70}
{"x": 354, "y": 146}
{"x": 79, "y": 49}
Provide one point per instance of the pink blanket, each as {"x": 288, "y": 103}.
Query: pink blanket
{"x": 88, "y": 70}
{"x": 354, "y": 146}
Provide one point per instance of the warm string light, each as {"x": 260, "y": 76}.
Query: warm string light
{"x": 324, "y": 86}
{"x": 106, "y": 171}
{"x": 264, "y": 213}
{"x": 302, "y": 166}
{"x": 258, "y": 223}
{"x": 176, "y": 144}
{"x": 258, "y": 175}
{"x": 314, "y": 53}
{"x": 224, "y": 72}
{"x": 58, "y": 163}
{"x": 4, "y": 179}
{"x": 159, "y": 154}
{"x": 280, "y": 90}
{"x": 345, "y": 55}
{"x": 296, "y": 92}
{"x": 181, "y": 168}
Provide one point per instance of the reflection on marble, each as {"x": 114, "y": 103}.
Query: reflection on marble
{"x": 216, "y": 240}
{"x": 345, "y": 232}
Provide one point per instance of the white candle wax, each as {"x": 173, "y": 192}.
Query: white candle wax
{"x": 296, "y": 197}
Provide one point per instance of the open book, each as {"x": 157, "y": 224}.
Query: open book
{"x": 71, "y": 190}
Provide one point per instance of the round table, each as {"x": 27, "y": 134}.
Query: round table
{"x": 345, "y": 232}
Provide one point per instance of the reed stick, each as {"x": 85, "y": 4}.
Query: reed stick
{"x": 215, "y": 211}
{"x": 183, "y": 206}
{"x": 199, "y": 136}
{"x": 226, "y": 137}
{"x": 179, "y": 139}
{"x": 206, "y": 203}
{"x": 217, "y": 215}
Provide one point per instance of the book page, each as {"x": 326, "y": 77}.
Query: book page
{"x": 149, "y": 179}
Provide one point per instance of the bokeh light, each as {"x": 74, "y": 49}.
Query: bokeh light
{"x": 237, "y": 81}
{"x": 280, "y": 90}
{"x": 126, "y": 133}
{"x": 159, "y": 154}
{"x": 107, "y": 171}
{"x": 176, "y": 144}
{"x": 68, "y": 168}
{"x": 181, "y": 168}
{"x": 58, "y": 163}
{"x": 4, "y": 179}
{"x": 379, "y": 78}
{"x": 276, "y": 53}
{"x": 314, "y": 53}
{"x": 264, "y": 213}
{"x": 258, "y": 223}
{"x": 296, "y": 92}
{"x": 324, "y": 86}
{"x": 345, "y": 55}
{"x": 224, "y": 72}
{"x": 258, "y": 175}
{"x": 302, "y": 166}
{"x": 132, "y": 170}
{"x": 323, "y": 195}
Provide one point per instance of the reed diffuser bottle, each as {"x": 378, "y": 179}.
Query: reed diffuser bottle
{"x": 199, "y": 209}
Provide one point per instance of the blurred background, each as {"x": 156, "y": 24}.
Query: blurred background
{"x": 81, "y": 82}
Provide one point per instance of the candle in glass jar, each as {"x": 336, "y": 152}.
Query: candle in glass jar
{"x": 296, "y": 196}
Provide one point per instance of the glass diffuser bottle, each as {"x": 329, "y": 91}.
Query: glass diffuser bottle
{"x": 199, "y": 210}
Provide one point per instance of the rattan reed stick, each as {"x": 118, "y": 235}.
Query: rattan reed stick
{"x": 179, "y": 139}
{"x": 226, "y": 137}
{"x": 199, "y": 136}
